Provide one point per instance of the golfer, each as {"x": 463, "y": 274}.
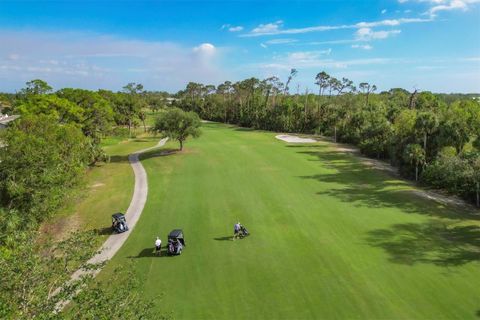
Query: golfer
{"x": 158, "y": 246}
{"x": 236, "y": 230}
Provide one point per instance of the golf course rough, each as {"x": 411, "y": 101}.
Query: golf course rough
{"x": 330, "y": 237}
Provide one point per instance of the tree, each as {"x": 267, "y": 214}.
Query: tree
{"x": 367, "y": 89}
{"x": 425, "y": 124}
{"x": 40, "y": 162}
{"x": 36, "y": 86}
{"x": 475, "y": 174}
{"x": 97, "y": 113}
{"x": 142, "y": 115}
{"x": 415, "y": 155}
{"x": 133, "y": 88}
{"x": 293, "y": 74}
{"x": 178, "y": 125}
{"x": 31, "y": 271}
{"x": 63, "y": 110}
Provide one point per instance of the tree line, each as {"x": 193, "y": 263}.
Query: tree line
{"x": 432, "y": 138}
{"x": 44, "y": 156}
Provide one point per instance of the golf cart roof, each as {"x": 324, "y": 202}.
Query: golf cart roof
{"x": 177, "y": 233}
{"x": 118, "y": 216}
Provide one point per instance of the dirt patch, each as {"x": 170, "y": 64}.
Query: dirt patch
{"x": 96, "y": 185}
{"x": 59, "y": 229}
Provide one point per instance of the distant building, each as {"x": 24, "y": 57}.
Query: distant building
{"x": 170, "y": 100}
{"x": 5, "y": 119}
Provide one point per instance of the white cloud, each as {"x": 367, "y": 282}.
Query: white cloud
{"x": 367, "y": 34}
{"x": 263, "y": 45}
{"x": 362, "y": 46}
{"x": 275, "y": 28}
{"x": 312, "y": 60}
{"x": 384, "y": 11}
{"x": 281, "y": 41}
{"x": 235, "y": 29}
{"x": 13, "y": 56}
{"x": 390, "y": 22}
{"x": 207, "y": 49}
{"x": 268, "y": 28}
{"x": 99, "y": 61}
{"x": 444, "y": 5}
{"x": 452, "y": 5}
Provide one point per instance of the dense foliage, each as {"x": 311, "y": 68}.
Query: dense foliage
{"x": 40, "y": 162}
{"x": 43, "y": 158}
{"x": 35, "y": 279}
{"x": 408, "y": 128}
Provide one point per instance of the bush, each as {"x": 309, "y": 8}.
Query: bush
{"x": 40, "y": 162}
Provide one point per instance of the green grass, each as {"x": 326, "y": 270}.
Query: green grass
{"x": 109, "y": 189}
{"x": 331, "y": 238}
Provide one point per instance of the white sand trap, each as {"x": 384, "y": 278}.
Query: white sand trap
{"x": 294, "y": 139}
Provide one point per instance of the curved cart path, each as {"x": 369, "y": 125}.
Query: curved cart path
{"x": 115, "y": 241}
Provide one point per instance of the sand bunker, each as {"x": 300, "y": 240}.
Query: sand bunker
{"x": 294, "y": 139}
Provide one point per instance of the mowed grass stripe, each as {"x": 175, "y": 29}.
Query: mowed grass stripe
{"x": 311, "y": 211}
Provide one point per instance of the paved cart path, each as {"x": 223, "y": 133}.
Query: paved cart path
{"x": 115, "y": 241}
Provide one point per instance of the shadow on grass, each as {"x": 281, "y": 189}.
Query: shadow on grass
{"x": 243, "y": 129}
{"x": 146, "y": 155}
{"x": 229, "y": 238}
{"x": 158, "y": 153}
{"x": 119, "y": 158}
{"x": 478, "y": 313}
{"x": 432, "y": 242}
{"x": 150, "y": 253}
{"x": 354, "y": 182}
{"x": 345, "y": 178}
{"x": 103, "y": 231}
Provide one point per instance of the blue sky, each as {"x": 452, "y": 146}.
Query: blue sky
{"x": 425, "y": 44}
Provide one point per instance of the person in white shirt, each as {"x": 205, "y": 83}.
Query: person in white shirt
{"x": 158, "y": 246}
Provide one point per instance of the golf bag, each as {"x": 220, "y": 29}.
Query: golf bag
{"x": 243, "y": 231}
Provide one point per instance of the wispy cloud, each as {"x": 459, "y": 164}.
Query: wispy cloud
{"x": 275, "y": 28}
{"x": 315, "y": 59}
{"x": 231, "y": 28}
{"x": 281, "y": 41}
{"x": 367, "y": 34}
{"x": 94, "y": 61}
{"x": 235, "y": 29}
{"x": 362, "y": 46}
{"x": 444, "y": 5}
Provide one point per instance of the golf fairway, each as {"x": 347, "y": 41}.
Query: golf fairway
{"x": 330, "y": 237}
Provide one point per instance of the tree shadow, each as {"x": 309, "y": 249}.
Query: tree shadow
{"x": 478, "y": 313}
{"x": 103, "y": 231}
{"x": 243, "y": 129}
{"x": 229, "y": 238}
{"x": 150, "y": 253}
{"x": 363, "y": 186}
{"x": 155, "y": 153}
{"x": 432, "y": 242}
{"x": 118, "y": 158}
{"x": 145, "y": 155}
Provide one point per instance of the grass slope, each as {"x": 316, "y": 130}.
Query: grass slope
{"x": 331, "y": 238}
{"x": 109, "y": 189}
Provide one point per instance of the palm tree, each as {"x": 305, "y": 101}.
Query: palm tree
{"x": 415, "y": 155}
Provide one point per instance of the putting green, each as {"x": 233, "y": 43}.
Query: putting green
{"x": 330, "y": 238}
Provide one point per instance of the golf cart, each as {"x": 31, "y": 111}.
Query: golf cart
{"x": 119, "y": 223}
{"x": 176, "y": 242}
{"x": 243, "y": 232}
